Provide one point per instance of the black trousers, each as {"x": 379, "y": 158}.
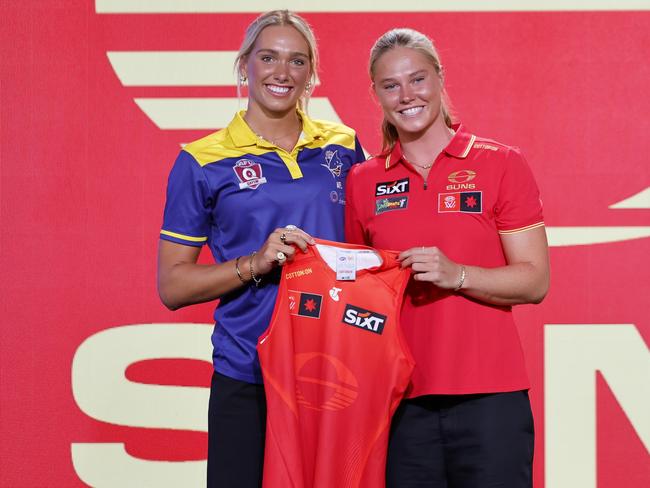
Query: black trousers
{"x": 462, "y": 441}
{"x": 236, "y": 428}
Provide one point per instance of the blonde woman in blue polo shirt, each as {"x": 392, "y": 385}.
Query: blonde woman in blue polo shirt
{"x": 254, "y": 192}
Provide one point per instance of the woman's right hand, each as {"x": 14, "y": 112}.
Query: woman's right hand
{"x": 280, "y": 247}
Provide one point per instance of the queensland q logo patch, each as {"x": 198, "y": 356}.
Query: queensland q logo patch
{"x": 249, "y": 174}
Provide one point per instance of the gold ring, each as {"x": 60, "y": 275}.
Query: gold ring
{"x": 283, "y": 238}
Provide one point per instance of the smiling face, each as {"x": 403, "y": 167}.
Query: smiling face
{"x": 409, "y": 90}
{"x": 278, "y": 69}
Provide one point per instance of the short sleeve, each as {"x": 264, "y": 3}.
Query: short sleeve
{"x": 518, "y": 206}
{"x": 188, "y": 207}
{"x": 354, "y": 230}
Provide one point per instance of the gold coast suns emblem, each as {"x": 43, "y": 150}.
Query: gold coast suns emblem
{"x": 249, "y": 174}
{"x": 324, "y": 382}
{"x": 460, "y": 180}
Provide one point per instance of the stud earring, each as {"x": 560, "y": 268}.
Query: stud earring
{"x": 308, "y": 86}
{"x": 242, "y": 79}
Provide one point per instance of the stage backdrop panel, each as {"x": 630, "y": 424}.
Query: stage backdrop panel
{"x": 102, "y": 386}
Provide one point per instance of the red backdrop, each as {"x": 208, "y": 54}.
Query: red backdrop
{"x": 83, "y": 176}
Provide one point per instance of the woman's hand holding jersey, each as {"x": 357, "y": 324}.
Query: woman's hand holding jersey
{"x": 280, "y": 246}
{"x": 182, "y": 281}
{"x": 430, "y": 264}
{"x": 525, "y": 279}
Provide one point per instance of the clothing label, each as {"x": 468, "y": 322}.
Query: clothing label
{"x": 346, "y": 265}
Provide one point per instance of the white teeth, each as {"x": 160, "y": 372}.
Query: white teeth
{"x": 280, "y": 90}
{"x": 411, "y": 111}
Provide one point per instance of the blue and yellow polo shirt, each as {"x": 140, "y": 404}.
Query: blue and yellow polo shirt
{"x": 231, "y": 189}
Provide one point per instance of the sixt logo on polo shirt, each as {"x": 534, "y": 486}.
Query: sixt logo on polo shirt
{"x": 364, "y": 319}
{"x": 392, "y": 187}
{"x": 249, "y": 174}
{"x": 305, "y": 304}
{"x": 464, "y": 201}
{"x": 391, "y": 203}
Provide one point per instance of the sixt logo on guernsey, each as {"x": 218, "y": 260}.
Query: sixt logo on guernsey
{"x": 249, "y": 174}
{"x": 461, "y": 180}
{"x": 391, "y": 203}
{"x": 305, "y": 304}
{"x": 364, "y": 319}
{"x": 464, "y": 201}
{"x": 392, "y": 187}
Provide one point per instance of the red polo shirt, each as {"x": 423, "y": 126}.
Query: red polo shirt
{"x": 476, "y": 190}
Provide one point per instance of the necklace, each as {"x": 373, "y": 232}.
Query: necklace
{"x": 423, "y": 166}
{"x": 259, "y": 136}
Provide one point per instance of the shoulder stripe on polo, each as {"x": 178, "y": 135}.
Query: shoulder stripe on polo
{"x": 182, "y": 236}
{"x": 469, "y": 146}
{"x": 522, "y": 229}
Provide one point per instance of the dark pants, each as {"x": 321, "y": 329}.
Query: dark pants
{"x": 236, "y": 427}
{"x": 462, "y": 441}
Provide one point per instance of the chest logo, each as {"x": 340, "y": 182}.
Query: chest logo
{"x": 463, "y": 201}
{"x": 249, "y": 174}
{"x": 395, "y": 187}
{"x": 460, "y": 180}
{"x": 333, "y": 163}
{"x": 364, "y": 319}
{"x": 305, "y": 304}
{"x": 334, "y": 293}
{"x": 389, "y": 204}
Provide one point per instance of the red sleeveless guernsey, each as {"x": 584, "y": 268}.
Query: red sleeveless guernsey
{"x": 335, "y": 367}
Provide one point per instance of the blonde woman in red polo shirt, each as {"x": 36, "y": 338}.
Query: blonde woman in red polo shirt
{"x": 466, "y": 212}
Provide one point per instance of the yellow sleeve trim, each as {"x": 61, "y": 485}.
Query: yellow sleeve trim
{"x": 184, "y": 237}
{"x": 522, "y": 229}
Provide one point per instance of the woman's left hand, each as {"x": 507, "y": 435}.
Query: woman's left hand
{"x": 430, "y": 264}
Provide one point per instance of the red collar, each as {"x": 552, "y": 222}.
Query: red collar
{"x": 458, "y": 147}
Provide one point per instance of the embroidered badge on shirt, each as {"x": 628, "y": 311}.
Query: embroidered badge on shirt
{"x": 249, "y": 174}
{"x": 389, "y": 204}
{"x": 460, "y": 180}
{"x": 464, "y": 201}
{"x": 305, "y": 304}
{"x": 333, "y": 163}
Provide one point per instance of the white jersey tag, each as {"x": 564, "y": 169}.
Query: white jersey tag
{"x": 346, "y": 265}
